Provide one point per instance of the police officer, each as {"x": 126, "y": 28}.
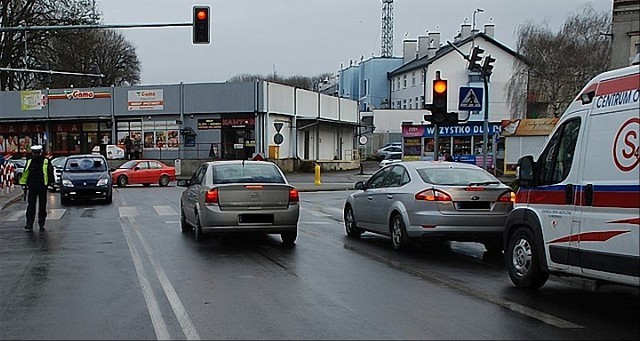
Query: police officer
{"x": 37, "y": 176}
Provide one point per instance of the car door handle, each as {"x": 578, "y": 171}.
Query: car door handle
{"x": 389, "y": 196}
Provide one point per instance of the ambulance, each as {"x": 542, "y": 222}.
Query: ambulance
{"x": 577, "y": 209}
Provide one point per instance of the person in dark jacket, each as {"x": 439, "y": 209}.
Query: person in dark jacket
{"x": 37, "y": 177}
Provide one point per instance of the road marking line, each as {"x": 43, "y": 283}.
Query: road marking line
{"x": 179, "y": 310}
{"x": 56, "y": 213}
{"x": 172, "y": 222}
{"x": 165, "y": 210}
{"x": 159, "y": 325}
{"x": 52, "y": 214}
{"x": 128, "y": 211}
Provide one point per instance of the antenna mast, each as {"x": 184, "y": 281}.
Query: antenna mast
{"x": 387, "y": 28}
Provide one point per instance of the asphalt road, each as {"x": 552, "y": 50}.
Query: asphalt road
{"x": 126, "y": 271}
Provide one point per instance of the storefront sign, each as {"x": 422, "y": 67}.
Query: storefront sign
{"x": 528, "y": 127}
{"x": 145, "y": 100}
{"x": 209, "y": 123}
{"x": 79, "y": 94}
{"x": 468, "y": 129}
{"x": 238, "y": 122}
{"x": 32, "y": 100}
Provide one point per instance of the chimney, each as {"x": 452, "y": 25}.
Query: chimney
{"x": 423, "y": 46}
{"x": 434, "y": 43}
{"x": 409, "y": 50}
{"x": 489, "y": 29}
{"x": 465, "y": 31}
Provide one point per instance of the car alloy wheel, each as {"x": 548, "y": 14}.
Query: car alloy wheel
{"x": 183, "y": 221}
{"x": 164, "y": 180}
{"x": 350, "y": 223}
{"x": 398, "y": 234}
{"x": 122, "y": 181}
{"x": 198, "y": 229}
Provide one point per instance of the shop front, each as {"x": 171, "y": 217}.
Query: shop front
{"x": 464, "y": 142}
{"x": 16, "y": 139}
{"x": 78, "y": 137}
{"x": 238, "y": 137}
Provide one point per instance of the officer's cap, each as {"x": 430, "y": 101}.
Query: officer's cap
{"x": 36, "y": 149}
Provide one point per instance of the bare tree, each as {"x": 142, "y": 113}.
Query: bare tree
{"x": 302, "y": 82}
{"x": 17, "y": 49}
{"x": 558, "y": 64}
{"x": 72, "y": 51}
{"x": 78, "y": 51}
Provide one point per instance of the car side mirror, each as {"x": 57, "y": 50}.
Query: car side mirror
{"x": 136, "y": 168}
{"x": 183, "y": 183}
{"x": 526, "y": 174}
{"x": 112, "y": 169}
{"x": 359, "y": 185}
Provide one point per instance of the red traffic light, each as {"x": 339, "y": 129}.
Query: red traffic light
{"x": 201, "y": 26}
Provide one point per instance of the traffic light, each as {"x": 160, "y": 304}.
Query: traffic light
{"x": 474, "y": 61}
{"x": 487, "y": 67}
{"x": 439, "y": 101}
{"x": 201, "y": 25}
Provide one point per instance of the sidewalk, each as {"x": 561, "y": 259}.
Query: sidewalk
{"x": 9, "y": 195}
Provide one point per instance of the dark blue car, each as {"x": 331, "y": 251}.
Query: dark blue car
{"x": 85, "y": 177}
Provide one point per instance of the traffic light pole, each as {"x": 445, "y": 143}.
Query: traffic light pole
{"x": 436, "y": 142}
{"x": 485, "y": 134}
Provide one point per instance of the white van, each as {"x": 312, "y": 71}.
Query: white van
{"x": 577, "y": 209}
{"x": 113, "y": 151}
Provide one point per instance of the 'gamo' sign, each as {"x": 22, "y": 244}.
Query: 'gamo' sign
{"x": 77, "y": 94}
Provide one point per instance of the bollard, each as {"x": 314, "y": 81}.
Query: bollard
{"x": 317, "y": 175}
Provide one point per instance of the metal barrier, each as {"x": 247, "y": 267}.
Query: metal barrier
{"x": 7, "y": 174}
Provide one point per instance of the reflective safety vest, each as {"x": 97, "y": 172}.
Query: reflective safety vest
{"x": 25, "y": 173}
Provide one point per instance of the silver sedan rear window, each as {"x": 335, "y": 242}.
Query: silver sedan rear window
{"x": 247, "y": 173}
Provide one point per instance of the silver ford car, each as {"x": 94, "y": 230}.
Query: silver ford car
{"x": 239, "y": 196}
{"x": 425, "y": 200}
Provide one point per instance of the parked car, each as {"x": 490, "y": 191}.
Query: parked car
{"x": 58, "y": 165}
{"x": 145, "y": 172}
{"x": 85, "y": 177}
{"x": 384, "y": 151}
{"x": 397, "y": 144}
{"x": 113, "y": 152}
{"x": 18, "y": 168}
{"x": 425, "y": 200}
{"x": 391, "y": 158}
{"x": 239, "y": 196}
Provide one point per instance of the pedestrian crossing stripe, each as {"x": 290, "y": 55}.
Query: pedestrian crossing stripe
{"x": 52, "y": 214}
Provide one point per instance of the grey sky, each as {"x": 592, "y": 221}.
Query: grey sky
{"x": 305, "y": 37}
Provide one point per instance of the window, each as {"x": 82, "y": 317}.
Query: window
{"x": 396, "y": 177}
{"x": 399, "y": 105}
{"x": 154, "y": 165}
{"x": 377, "y": 179}
{"x": 410, "y": 103}
{"x": 364, "y": 91}
{"x": 398, "y": 83}
{"x": 413, "y": 78}
{"x": 405, "y": 81}
{"x": 417, "y": 103}
{"x": 143, "y": 165}
{"x": 555, "y": 162}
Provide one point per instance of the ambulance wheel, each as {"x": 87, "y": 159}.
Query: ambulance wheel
{"x": 523, "y": 260}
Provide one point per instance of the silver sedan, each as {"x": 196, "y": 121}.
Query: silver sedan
{"x": 425, "y": 200}
{"x": 239, "y": 196}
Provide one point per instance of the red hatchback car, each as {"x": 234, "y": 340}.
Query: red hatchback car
{"x": 145, "y": 172}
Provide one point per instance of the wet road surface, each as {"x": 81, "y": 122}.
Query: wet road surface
{"x": 126, "y": 271}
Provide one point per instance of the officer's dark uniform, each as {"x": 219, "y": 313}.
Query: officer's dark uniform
{"x": 37, "y": 176}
